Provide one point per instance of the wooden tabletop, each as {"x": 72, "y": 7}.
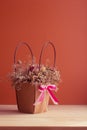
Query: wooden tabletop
{"x": 57, "y": 115}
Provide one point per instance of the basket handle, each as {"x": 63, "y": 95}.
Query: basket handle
{"x": 44, "y": 46}
{"x": 18, "y": 46}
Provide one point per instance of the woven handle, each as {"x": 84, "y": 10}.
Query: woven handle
{"x": 44, "y": 46}
{"x": 18, "y": 46}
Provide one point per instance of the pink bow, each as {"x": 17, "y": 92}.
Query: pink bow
{"x": 49, "y": 88}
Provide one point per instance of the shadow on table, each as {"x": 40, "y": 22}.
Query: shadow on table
{"x": 9, "y": 112}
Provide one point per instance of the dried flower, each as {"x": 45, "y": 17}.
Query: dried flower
{"x": 34, "y": 75}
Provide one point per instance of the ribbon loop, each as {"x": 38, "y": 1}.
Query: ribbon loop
{"x": 49, "y": 89}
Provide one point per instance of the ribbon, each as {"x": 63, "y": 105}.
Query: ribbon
{"x": 49, "y": 89}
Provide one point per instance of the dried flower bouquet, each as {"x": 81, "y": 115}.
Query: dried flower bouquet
{"x": 33, "y": 75}
{"x": 29, "y": 78}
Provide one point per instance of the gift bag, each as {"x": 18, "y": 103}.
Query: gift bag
{"x": 32, "y": 87}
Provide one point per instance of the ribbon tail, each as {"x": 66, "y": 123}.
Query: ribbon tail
{"x": 52, "y": 96}
{"x": 40, "y": 98}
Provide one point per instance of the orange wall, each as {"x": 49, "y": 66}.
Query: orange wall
{"x": 64, "y": 22}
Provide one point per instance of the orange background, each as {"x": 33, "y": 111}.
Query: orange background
{"x": 64, "y": 22}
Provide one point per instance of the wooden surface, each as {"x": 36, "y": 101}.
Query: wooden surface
{"x": 58, "y": 115}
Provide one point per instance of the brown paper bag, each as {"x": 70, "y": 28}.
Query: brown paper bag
{"x": 27, "y": 93}
{"x": 26, "y": 98}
